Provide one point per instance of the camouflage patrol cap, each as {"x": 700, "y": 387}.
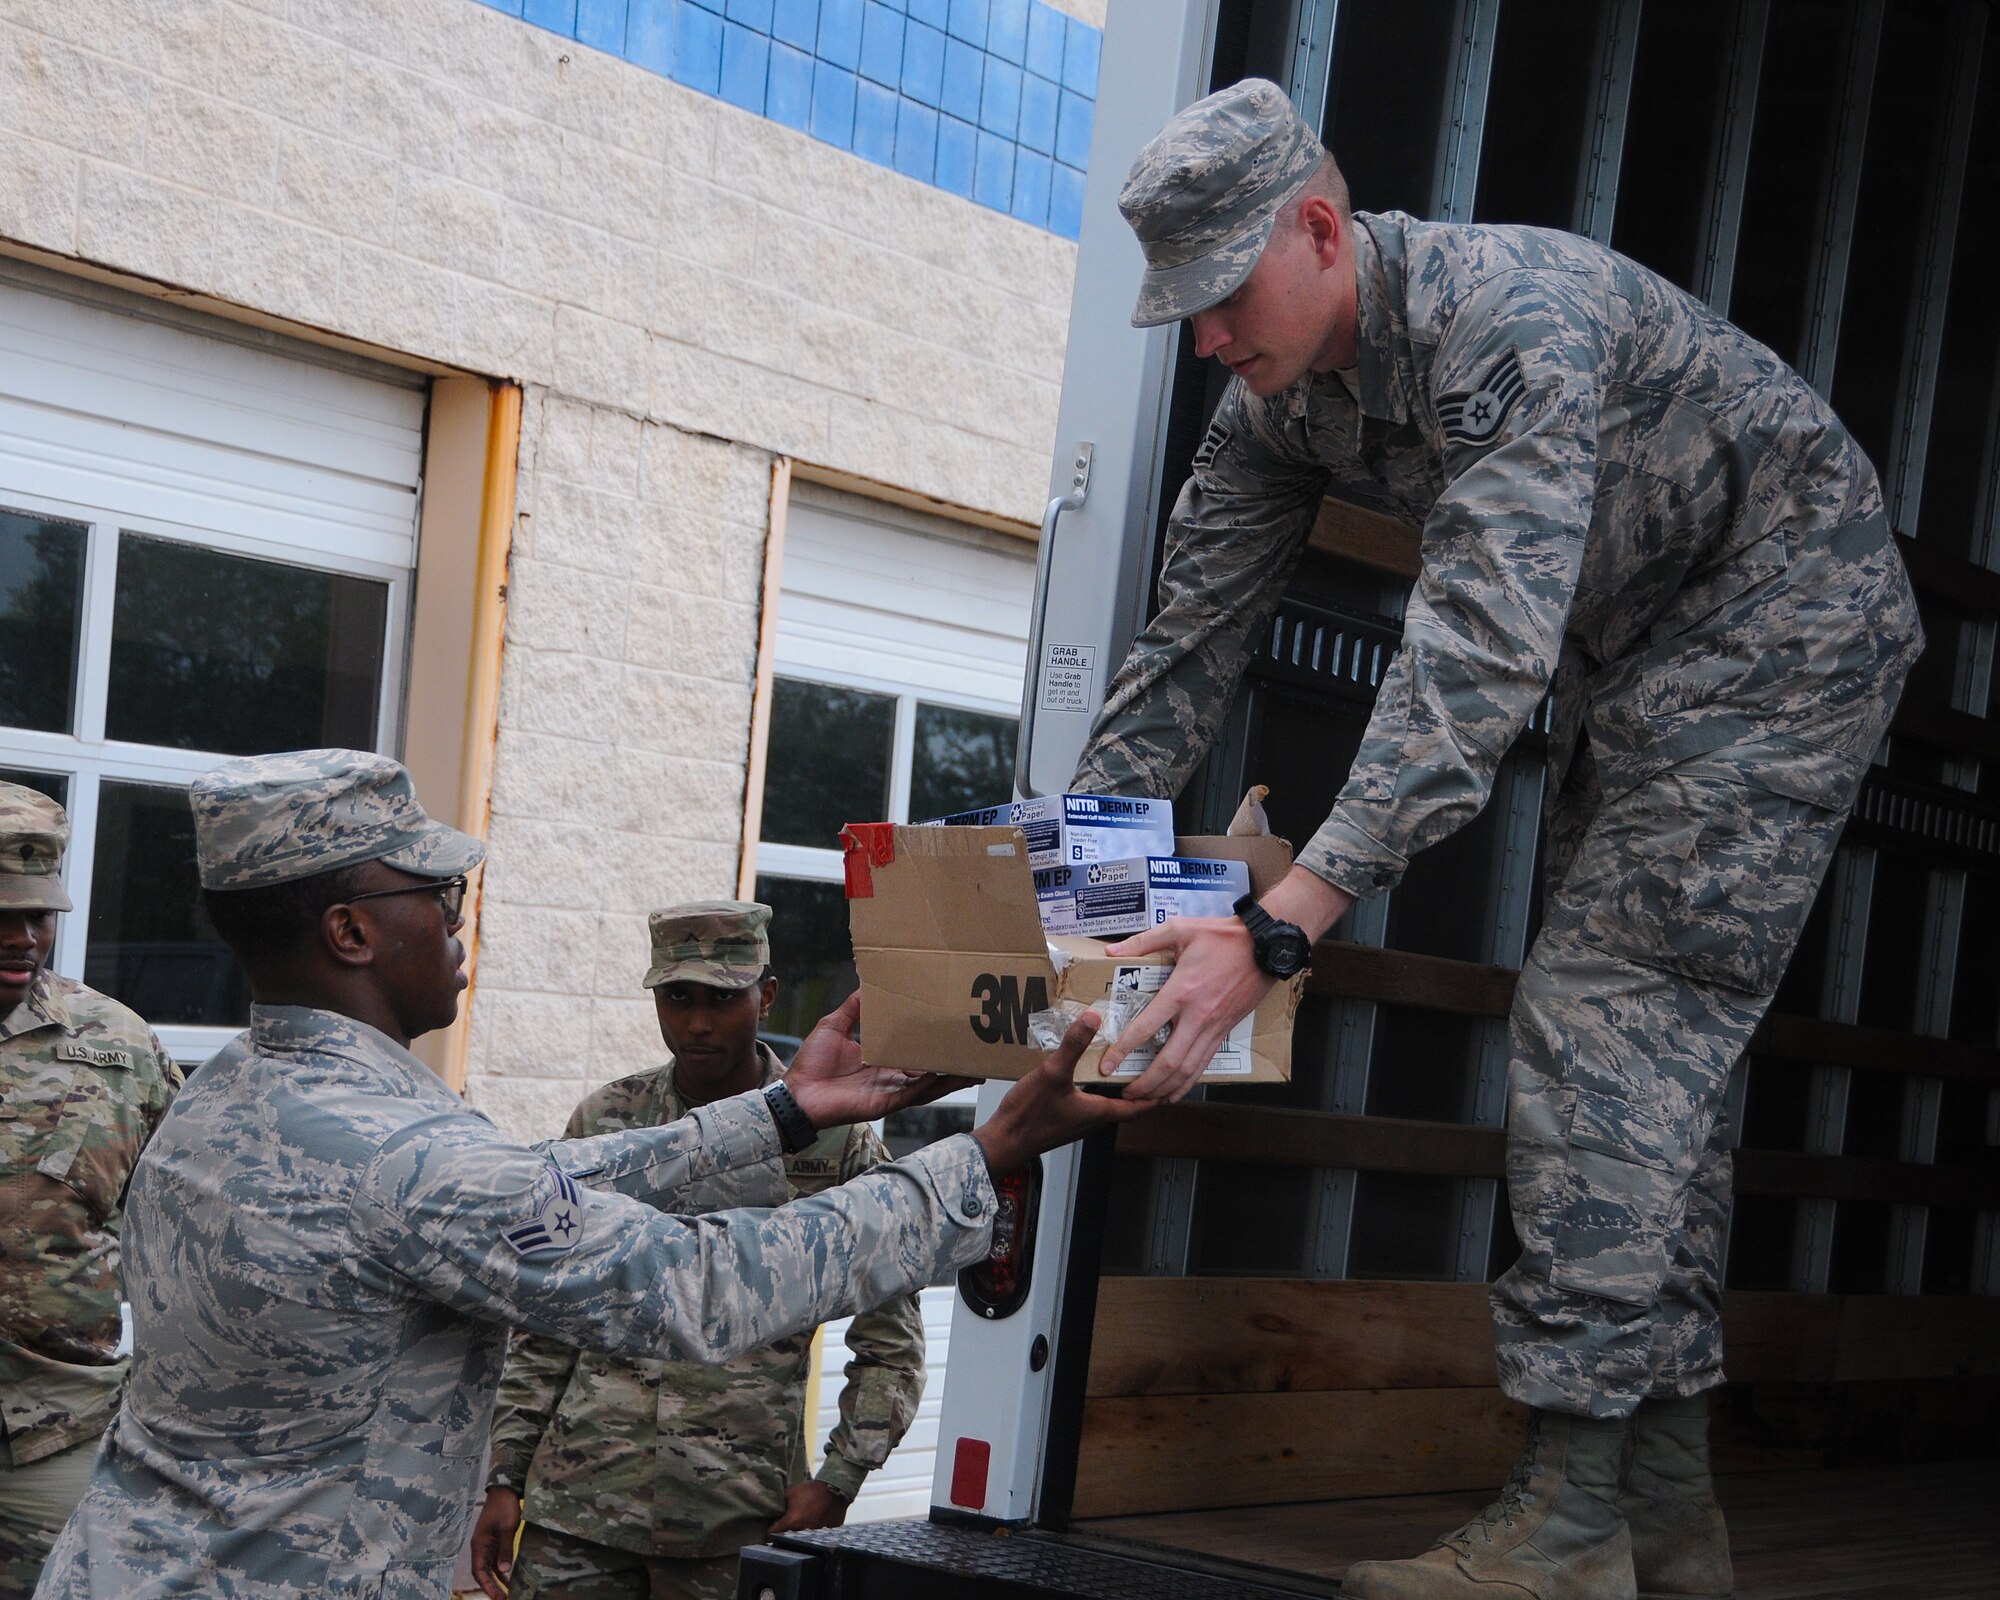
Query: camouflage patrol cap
{"x": 721, "y": 943}
{"x": 1204, "y": 192}
{"x": 34, "y": 832}
{"x": 265, "y": 820}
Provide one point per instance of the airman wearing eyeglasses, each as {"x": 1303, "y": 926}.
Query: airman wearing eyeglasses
{"x": 326, "y": 1247}
{"x": 83, "y": 1084}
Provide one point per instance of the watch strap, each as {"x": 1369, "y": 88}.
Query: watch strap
{"x": 795, "y": 1128}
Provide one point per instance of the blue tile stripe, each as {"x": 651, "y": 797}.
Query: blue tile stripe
{"x": 992, "y": 100}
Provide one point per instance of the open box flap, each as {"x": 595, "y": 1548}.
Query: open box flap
{"x": 941, "y": 890}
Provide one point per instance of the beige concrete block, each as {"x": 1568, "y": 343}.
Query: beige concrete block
{"x": 707, "y": 393}
{"x": 210, "y": 143}
{"x": 671, "y": 628}
{"x": 273, "y": 67}
{"x": 396, "y": 301}
{"x": 590, "y": 528}
{"x": 596, "y": 94}
{"x": 1017, "y": 481}
{"x": 552, "y": 864}
{"x": 570, "y": 262}
{"x": 69, "y": 97}
{"x": 510, "y": 153}
{"x": 1090, "y": 11}
{"x": 706, "y": 223}
{"x": 900, "y": 447}
{"x": 526, "y": 1110}
{"x": 645, "y": 871}
{"x": 277, "y": 265}
{"x": 182, "y": 40}
{"x": 38, "y": 193}
{"x": 536, "y": 948}
{"x": 529, "y": 1035}
{"x": 404, "y": 114}
{"x": 322, "y": 179}
{"x": 451, "y": 223}
{"x": 559, "y": 608}
{"x": 562, "y": 448}
{"x": 601, "y": 360}
{"x": 532, "y": 773}
{"x": 614, "y": 451}
{"x": 609, "y": 187}
{"x": 504, "y": 334}
{"x": 139, "y": 224}
{"x": 624, "y": 948}
{"x": 725, "y": 480}
{"x": 567, "y": 693}
{"x": 684, "y": 714}
{"x": 624, "y": 1036}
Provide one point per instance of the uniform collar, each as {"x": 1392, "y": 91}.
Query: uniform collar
{"x": 43, "y": 1008}
{"x": 673, "y": 1107}
{"x": 304, "y": 1030}
{"x": 1378, "y": 373}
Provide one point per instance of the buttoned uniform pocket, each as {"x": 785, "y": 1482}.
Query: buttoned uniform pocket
{"x": 1710, "y": 874}
{"x": 93, "y": 1144}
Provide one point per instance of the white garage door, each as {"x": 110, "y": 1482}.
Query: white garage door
{"x": 207, "y": 536}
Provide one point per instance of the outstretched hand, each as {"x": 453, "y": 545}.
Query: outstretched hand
{"x": 1047, "y": 1109}
{"x": 834, "y": 1086}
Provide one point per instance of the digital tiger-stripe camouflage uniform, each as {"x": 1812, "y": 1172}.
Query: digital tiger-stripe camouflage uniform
{"x": 681, "y": 1464}
{"x": 325, "y": 1248}
{"x": 1626, "y": 504}
{"x": 83, "y": 1084}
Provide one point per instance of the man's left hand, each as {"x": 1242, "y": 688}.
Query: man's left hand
{"x": 810, "y": 1505}
{"x": 834, "y": 1087}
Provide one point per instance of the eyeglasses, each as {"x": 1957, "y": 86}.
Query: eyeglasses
{"x": 450, "y": 893}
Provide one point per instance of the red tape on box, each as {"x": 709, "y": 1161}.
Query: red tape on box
{"x": 868, "y": 845}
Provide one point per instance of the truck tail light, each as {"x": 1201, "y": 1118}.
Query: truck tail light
{"x": 969, "y": 1465}
{"x": 997, "y": 1286}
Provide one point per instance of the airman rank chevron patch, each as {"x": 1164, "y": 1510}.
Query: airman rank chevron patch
{"x": 557, "y": 1226}
{"x": 1473, "y": 417}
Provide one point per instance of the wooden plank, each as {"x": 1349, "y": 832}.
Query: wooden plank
{"x": 1961, "y": 584}
{"x": 1403, "y": 978}
{"x": 1369, "y": 537}
{"x": 1214, "y": 1132}
{"x": 1182, "y": 1452}
{"x": 1158, "y": 1336}
{"x": 1787, "y": 1172}
{"x": 1843, "y": 1044}
{"x": 1769, "y": 1337}
{"x": 1959, "y": 732}
{"x": 1886, "y": 1337}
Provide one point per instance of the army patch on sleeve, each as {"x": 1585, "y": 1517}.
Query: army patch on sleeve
{"x": 1473, "y": 416}
{"x": 1215, "y": 439}
{"x": 557, "y": 1226}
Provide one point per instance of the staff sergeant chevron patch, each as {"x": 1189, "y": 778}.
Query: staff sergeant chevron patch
{"x": 557, "y": 1226}
{"x": 1473, "y": 418}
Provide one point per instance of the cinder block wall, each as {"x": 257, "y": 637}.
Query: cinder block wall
{"x": 684, "y": 289}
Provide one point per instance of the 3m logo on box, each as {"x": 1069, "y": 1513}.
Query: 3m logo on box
{"x": 1005, "y": 1004}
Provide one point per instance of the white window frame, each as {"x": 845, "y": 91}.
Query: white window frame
{"x": 86, "y": 757}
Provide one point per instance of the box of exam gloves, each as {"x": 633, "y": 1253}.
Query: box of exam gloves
{"x": 1069, "y": 830}
{"x": 1110, "y": 899}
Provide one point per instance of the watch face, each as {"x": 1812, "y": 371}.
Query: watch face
{"x": 1287, "y": 956}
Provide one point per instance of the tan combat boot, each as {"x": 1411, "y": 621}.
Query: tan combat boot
{"x": 1554, "y": 1533}
{"x": 1680, "y": 1544}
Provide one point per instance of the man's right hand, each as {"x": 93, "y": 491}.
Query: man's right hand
{"x": 1046, "y": 1109}
{"x": 493, "y": 1538}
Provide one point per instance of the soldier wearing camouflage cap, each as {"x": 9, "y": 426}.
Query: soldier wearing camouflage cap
{"x": 1630, "y": 508}
{"x": 83, "y": 1084}
{"x": 325, "y": 1246}
{"x": 662, "y": 1470}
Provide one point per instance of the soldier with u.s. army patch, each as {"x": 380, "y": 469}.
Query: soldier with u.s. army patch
{"x": 640, "y": 1480}
{"x": 1633, "y": 508}
{"x": 325, "y": 1247}
{"x": 83, "y": 1084}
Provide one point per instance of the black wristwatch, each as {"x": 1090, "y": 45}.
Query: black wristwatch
{"x": 1281, "y": 949}
{"x": 795, "y": 1128}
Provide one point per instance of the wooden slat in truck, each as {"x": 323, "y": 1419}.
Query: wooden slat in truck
{"x": 1255, "y": 1323}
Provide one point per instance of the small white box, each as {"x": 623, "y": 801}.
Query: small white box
{"x": 1098, "y": 900}
{"x": 1190, "y": 886}
{"x": 1068, "y": 830}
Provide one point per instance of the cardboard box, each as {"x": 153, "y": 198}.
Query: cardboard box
{"x": 953, "y": 961}
{"x": 1067, "y": 830}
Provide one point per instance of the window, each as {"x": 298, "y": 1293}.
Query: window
{"x": 205, "y": 550}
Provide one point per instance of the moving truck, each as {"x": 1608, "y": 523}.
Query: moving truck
{"x": 1217, "y": 1351}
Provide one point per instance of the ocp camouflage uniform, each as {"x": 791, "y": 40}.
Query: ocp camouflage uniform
{"x": 1630, "y": 503}
{"x": 325, "y": 1248}
{"x": 679, "y": 1462}
{"x": 83, "y": 1084}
